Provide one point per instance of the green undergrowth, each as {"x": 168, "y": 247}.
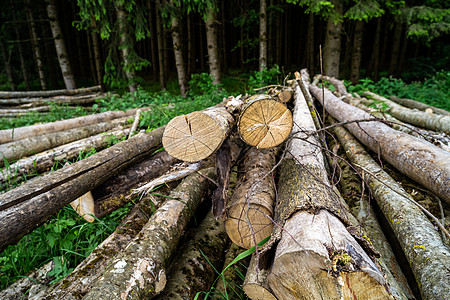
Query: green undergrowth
{"x": 434, "y": 90}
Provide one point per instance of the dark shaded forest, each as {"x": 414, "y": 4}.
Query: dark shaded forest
{"x": 55, "y": 44}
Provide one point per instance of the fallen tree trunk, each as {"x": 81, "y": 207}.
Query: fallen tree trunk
{"x": 194, "y": 269}
{"x": 115, "y": 192}
{"x": 33, "y": 165}
{"x": 418, "y": 118}
{"x": 35, "y": 144}
{"x": 19, "y": 94}
{"x": 357, "y": 199}
{"x": 20, "y": 112}
{"x": 34, "y": 102}
{"x": 10, "y": 135}
{"x": 419, "y": 105}
{"x": 420, "y": 242}
{"x": 264, "y": 122}
{"x": 250, "y": 212}
{"x": 320, "y": 260}
{"x": 79, "y": 282}
{"x": 140, "y": 269}
{"x": 29, "y": 205}
{"x": 196, "y": 136}
{"x": 418, "y": 159}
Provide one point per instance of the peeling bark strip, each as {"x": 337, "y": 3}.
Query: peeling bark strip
{"x": 194, "y": 269}
{"x": 35, "y": 144}
{"x": 21, "y": 94}
{"x": 9, "y": 135}
{"x": 264, "y": 122}
{"x": 418, "y": 118}
{"x": 316, "y": 257}
{"x": 419, "y": 105}
{"x": 250, "y": 213}
{"x": 196, "y": 136}
{"x": 29, "y": 205}
{"x": 140, "y": 269}
{"x": 418, "y": 159}
{"x": 86, "y": 274}
{"x": 421, "y": 243}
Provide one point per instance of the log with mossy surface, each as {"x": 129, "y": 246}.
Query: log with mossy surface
{"x": 15, "y": 94}
{"x": 14, "y": 134}
{"x": 29, "y": 205}
{"x": 32, "y": 145}
{"x": 416, "y": 158}
{"x": 195, "y": 268}
{"x": 140, "y": 269}
{"x": 427, "y": 255}
{"x": 79, "y": 281}
{"x": 197, "y": 135}
{"x": 250, "y": 212}
{"x": 264, "y": 122}
{"x": 419, "y": 118}
{"x": 315, "y": 252}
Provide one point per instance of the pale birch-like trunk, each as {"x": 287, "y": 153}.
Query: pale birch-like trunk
{"x": 212, "y": 45}
{"x": 178, "y": 51}
{"x": 60, "y": 47}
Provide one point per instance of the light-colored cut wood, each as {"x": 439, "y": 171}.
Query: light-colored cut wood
{"x": 196, "y": 136}
{"x": 85, "y": 207}
{"x": 264, "y": 122}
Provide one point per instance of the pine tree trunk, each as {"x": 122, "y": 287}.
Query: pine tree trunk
{"x": 60, "y": 47}
{"x": 356, "y": 52}
{"x": 262, "y": 35}
{"x": 178, "y": 51}
{"x": 374, "y": 65}
{"x": 92, "y": 69}
{"x": 211, "y": 41}
{"x": 153, "y": 38}
{"x": 20, "y": 48}
{"x": 223, "y": 54}
{"x": 7, "y": 61}
{"x": 126, "y": 46}
{"x": 332, "y": 48}
{"x": 395, "y": 52}
{"x": 310, "y": 44}
{"x": 97, "y": 58}
{"x": 190, "y": 47}
{"x": 35, "y": 45}
{"x": 160, "y": 43}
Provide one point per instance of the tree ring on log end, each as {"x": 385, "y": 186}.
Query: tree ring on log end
{"x": 196, "y": 136}
{"x": 248, "y": 225}
{"x": 264, "y": 122}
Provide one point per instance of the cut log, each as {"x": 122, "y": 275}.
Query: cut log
{"x": 85, "y": 207}
{"x": 421, "y": 243}
{"x": 419, "y": 105}
{"x": 250, "y": 213}
{"x": 7, "y": 95}
{"x": 35, "y": 144}
{"x": 285, "y": 96}
{"x": 418, "y": 118}
{"x": 416, "y": 158}
{"x": 264, "y": 122}
{"x": 115, "y": 192}
{"x": 316, "y": 257}
{"x": 31, "y": 166}
{"x": 29, "y": 205}
{"x": 35, "y": 102}
{"x": 255, "y": 284}
{"x": 141, "y": 268}
{"x": 233, "y": 276}
{"x": 86, "y": 274}
{"x": 194, "y": 270}
{"x": 196, "y": 136}
{"x": 357, "y": 199}
{"x": 9, "y": 135}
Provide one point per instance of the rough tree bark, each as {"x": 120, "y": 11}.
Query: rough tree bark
{"x": 29, "y": 205}
{"x": 197, "y": 135}
{"x": 141, "y": 267}
{"x": 332, "y": 48}
{"x": 357, "y": 52}
{"x": 178, "y": 51}
{"x": 194, "y": 269}
{"x": 9, "y": 135}
{"x": 419, "y": 105}
{"x": 264, "y": 122}
{"x": 321, "y": 260}
{"x": 97, "y": 57}
{"x": 160, "y": 42}
{"x": 212, "y": 45}
{"x": 262, "y": 35}
{"x": 250, "y": 212}
{"x": 418, "y": 159}
{"x": 60, "y": 47}
{"x": 414, "y": 117}
{"x": 421, "y": 243}
{"x": 32, "y": 145}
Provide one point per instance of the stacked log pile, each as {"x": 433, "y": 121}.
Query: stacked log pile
{"x": 322, "y": 205}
